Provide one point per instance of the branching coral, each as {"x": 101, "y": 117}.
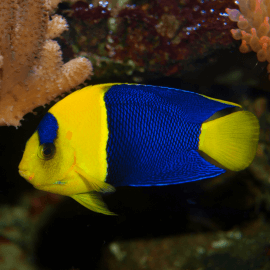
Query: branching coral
{"x": 253, "y": 23}
{"x": 32, "y": 72}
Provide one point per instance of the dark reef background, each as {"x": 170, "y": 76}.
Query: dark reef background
{"x": 220, "y": 223}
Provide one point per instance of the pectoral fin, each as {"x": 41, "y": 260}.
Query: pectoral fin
{"x": 93, "y": 201}
{"x": 94, "y": 184}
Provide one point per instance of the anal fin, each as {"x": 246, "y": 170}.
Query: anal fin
{"x": 93, "y": 201}
{"x": 192, "y": 167}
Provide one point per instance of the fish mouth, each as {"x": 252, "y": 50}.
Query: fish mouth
{"x": 26, "y": 174}
{"x": 58, "y": 184}
{"x": 29, "y": 176}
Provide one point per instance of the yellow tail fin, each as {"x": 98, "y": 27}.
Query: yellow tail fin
{"x": 231, "y": 140}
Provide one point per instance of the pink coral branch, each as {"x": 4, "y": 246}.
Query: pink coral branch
{"x": 254, "y": 28}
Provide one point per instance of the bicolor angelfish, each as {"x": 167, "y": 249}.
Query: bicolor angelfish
{"x": 112, "y": 135}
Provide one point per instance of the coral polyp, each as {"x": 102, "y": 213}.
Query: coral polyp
{"x": 253, "y": 27}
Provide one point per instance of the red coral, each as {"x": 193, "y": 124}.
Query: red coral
{"x": 85, "y": 11}
{"x": 40, "y": 201}
{"x": 160, "y": 34}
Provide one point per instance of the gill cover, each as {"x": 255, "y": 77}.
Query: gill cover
{"x": 84, "y": 123}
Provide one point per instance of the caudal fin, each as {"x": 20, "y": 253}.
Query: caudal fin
{"x": 231, "y": 140}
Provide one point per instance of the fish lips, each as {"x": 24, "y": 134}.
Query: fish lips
{"x": 26, "y": 174}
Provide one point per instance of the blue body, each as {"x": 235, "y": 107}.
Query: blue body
{"x": 154, "y": 135}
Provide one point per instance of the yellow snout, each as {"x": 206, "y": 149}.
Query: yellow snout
{"x": 27, "y": 175}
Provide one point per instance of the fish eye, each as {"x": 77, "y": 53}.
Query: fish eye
{"x": 46, "y": 151}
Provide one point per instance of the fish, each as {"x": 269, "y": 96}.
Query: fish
{"x": 110, "y": 135}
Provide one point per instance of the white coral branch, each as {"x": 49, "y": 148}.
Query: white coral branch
{"x": 31, "y": 67}
{"x": 56, "y": 27}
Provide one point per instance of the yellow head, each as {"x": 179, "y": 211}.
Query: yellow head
{"x": 49, "y": 160}
{"x": 67, "y": 153}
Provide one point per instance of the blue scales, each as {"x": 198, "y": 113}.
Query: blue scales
{"x": 47, "y": 129}
{"x": 154, "y": 135}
